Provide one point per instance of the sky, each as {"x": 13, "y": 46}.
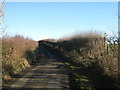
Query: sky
{"x": 42, "y": 20}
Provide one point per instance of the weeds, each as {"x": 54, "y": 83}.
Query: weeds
{"x": 93, "y": 56}
{"x": 18, "y": 53}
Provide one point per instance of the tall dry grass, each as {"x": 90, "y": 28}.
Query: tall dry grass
{"x": 18, "y": 53}
{"x": 94, "y": 46}
{"x": 89, "y": 49}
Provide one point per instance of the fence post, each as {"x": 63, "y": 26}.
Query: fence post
{"x": 105, "y": 45}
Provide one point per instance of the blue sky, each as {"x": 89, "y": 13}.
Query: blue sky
{"x": 41, "y": 20}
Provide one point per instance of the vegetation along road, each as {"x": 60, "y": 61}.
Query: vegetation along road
{"x": 48, "y": 73}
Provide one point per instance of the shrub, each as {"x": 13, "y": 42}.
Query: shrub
{"x": 18, "y": 53}
{"x": 92, "y": 46}
{"x": 90, "y": 49}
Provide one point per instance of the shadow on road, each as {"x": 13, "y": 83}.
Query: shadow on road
{"x": 47, "y": 73}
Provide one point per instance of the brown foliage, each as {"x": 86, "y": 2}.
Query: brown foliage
{"x": 14, "y": 51}
{"x": 92, "y": 46}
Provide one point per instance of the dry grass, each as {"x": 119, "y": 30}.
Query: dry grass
{"x": 92, "y": 46}
{"x": 89, "y": 49}
{"x": 16, "y": 54}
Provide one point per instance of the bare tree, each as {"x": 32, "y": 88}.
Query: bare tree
{"x": 2, "y": 16}
{"x": 1, "y": 31}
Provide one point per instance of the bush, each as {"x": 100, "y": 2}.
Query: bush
{"x": 92, "y": 46}
{"x": 18, "y": 53}
{"x": 88, "y": 50}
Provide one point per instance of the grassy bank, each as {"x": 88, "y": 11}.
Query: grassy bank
{"x": 89, "y": 59}
{"x": 18, "y": 53}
